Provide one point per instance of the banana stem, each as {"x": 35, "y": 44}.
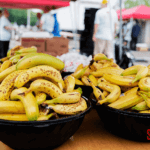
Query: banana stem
{"x": 46, "y": 117}
{"x": 138, "y": 77}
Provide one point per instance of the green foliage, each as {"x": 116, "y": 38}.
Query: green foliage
{"x": 131, "y": 3}
{"x": 20, "y": 16}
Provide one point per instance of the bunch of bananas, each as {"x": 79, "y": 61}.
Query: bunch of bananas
{"x": 114, "y": 86}
{"x": 32, "y": 87}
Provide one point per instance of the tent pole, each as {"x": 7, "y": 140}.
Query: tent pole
{"x": 120, "y": 32}
{"x": 28, "y": 18}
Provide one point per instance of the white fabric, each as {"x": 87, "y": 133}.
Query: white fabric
{"x": 102, "y": 18}
{"x": 129, "y": 31}
{"x": 48, "y": 21}
{"x": 5, "y": 35}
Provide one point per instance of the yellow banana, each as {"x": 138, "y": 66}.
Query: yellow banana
{"x": 40, "y": 97}
{"x": 29, "y": 103}
{"x": 45, "y": 86}
{"x": 102, "y": 80}
{"x": 6, "y": 64}
{"x": 145, "y": 111}
{"x": 78, "y": 90}
{"x": 144, "y": 84}
{"x": 23, "y": 117}
{"x": 120, "y": 80}
{"x": 61, "y": 85}
{"x": 78, "y": 82}
{"x": 93, "y": 79}
{"x": 27, "y": 50}
{"x": 69, "y": 83}
{"x": 110, "y": 70}
{"x": 14, "y": 117}
{"x": 38, "y": 71}
{"x": 71, "y": 97}
{"x": 114, "y": 90}
{"x": 79, "y": 67}
{"x": 79, "y": 73}
{"x": 7, "y": 85}
{"x": 95, "y": 66}
{"x": 35, "y": 59}
{"x": 148, "y": 74}
{"x": 85, "y": 80}
{"x": 140, "y": 71}
{"x": 15, "y": 107}
{"x": 6, "y": 72}
{"x": 11, "y": 52}
{"x": 69, "y": 109}
{"x": 146, "y": 98}
{"x": 4, "y": 59}
{"x": 127, "y": 101}
{"x": 131, "y": 91}
{"x": 105, "y": 93}
{"x": 97, "y": 92}
{"x": 100, "y": 57}
{"x": 87, "y": 72}
{"x": 140, "y": 106}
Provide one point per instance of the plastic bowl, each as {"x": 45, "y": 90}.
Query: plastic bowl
{"x": 49, "y": 134}
{"x": 126, "y": 124}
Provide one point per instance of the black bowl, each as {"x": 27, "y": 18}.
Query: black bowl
{"x": 49, "y": 134}
{"x": 126, "y": 124}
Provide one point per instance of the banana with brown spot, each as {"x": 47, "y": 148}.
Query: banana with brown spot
{"x": 38, "y": 71}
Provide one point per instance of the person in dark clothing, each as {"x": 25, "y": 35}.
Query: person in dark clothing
{"x": 135, "y": 32}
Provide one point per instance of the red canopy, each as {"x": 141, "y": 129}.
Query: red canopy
{"x": 118, "y": 12}
{"x": 26, "y": 4}
{"x": 138, "y": 12}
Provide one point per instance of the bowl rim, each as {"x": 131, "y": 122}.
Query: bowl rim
{"x": 122, "y": 112}
{"x": 54, "y": 121}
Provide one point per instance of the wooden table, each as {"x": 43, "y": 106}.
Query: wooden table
{"x": 93, "y": 136}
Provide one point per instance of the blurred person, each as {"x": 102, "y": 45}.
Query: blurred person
{"x": 38, "y": 15}
{"x": 105, "y": 30}
{"x": 127, "y": 33}
{"x": 5, "y": 33}
{"x": 134, "y": 36}
{"x": 47, "y": 20}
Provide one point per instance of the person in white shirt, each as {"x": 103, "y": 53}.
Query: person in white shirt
{"x": 5, "y": 33}
{"x": 105, "y": 25}
{"x": 47, "y": 20}
{"x": 127, "y": 33}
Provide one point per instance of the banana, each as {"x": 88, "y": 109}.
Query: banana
{"x": 78, "y": 82}
{"x": 69, "y": 109}
{"x": 31, "y": 49}
{"x": 87, "y": 72}
{"x": 14, "y": 117}
{"x": 93, "y": 79}
{"x": 6, "y": 64}
{"x": 114, "y": 90}
{"x": 127, "y": 101}
{"x": 15, "y": 107}
{"x": 66, "y": 98}
{"x": 11, "y": 52}
{"x": 143, "y": 92}
{"x": 38, "y": 71}
{"x": 100, "y": 57}
{"x": 125, "y": 88}
{"x": 146, "y": 98}
{"x": 4, "y": 59}
{"x": 46, "y": 117}
{"x": 109, "y": 70}
{"x": 105, "y": 93}
{"x": 69, "y": 83}
{"x": 85, "y": 80}
{"x": 78, "y": 90}
{"x": 97, "y": 92}
{"x": 7, "y": 85}
{"x": 23, "y": 117}
{"x": 101, "y": 80}
{"x": 140, "y": 71}
{"x": 6, "y": 72}
{"x": 79, "y": 73}
{"x": 40, "y": 97}
{"x": 148, "y": 74}
{"x": 145, "y": 111}
{"x": 140, "y": 106}
{"x": 35, "y": 59}
{"x": 144, "y": 84}
{"x": 29, "y": 103}
{"x": 79, "y": 67}
{"x": 61, "y": 85}
{"x": 45, "y": 86}
{"x": 120, "y": 80}
{"x": 96, "y": 66}
{"x": 132, "y": 90}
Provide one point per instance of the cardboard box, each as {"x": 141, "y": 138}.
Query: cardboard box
{"x": 141, "y": 47}
{"x": 40, "y": 43}
{"x": 57, "y": 46}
